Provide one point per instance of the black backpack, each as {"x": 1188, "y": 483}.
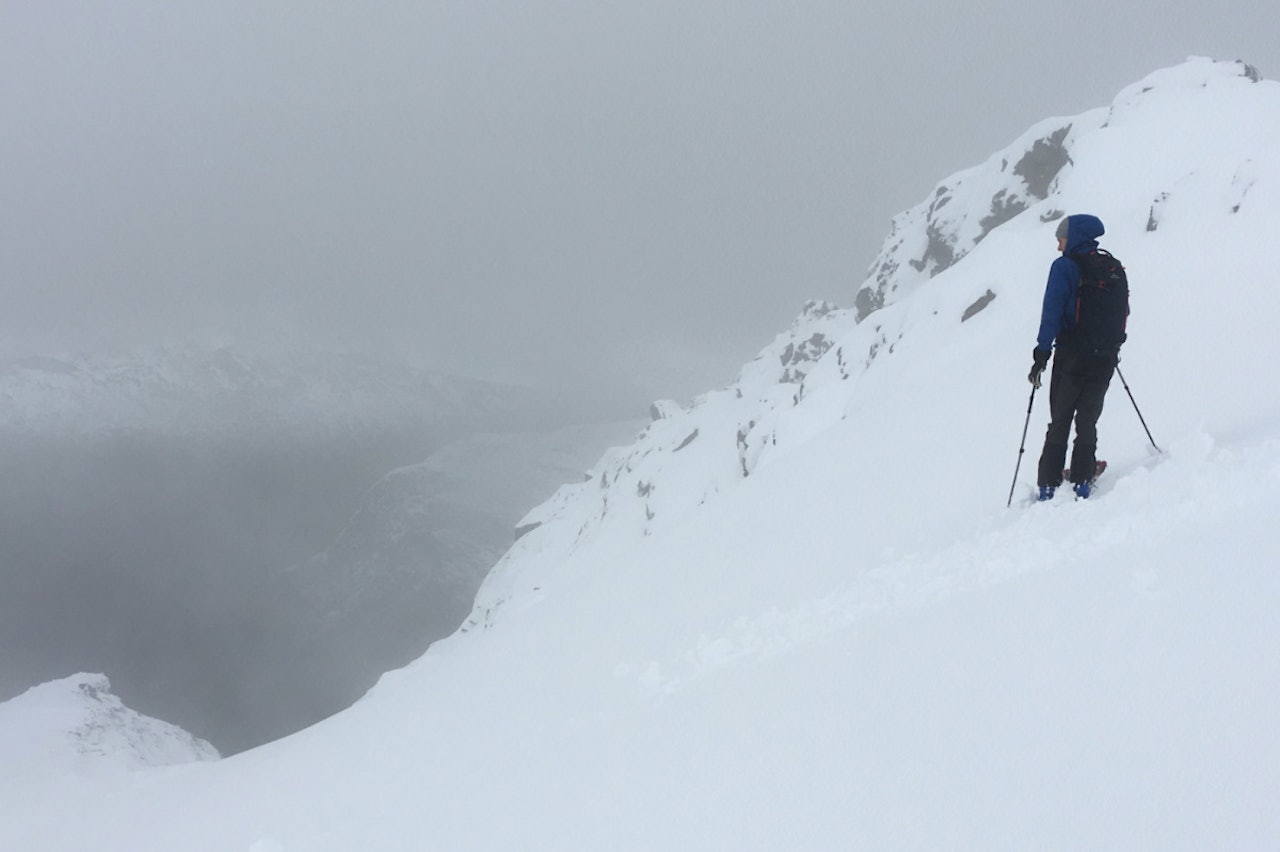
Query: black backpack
{"x": 1102, "y": 306}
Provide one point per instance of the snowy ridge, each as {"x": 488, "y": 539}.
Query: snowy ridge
{"x": 681, "y": 460}
{"x": 825, "y": 366}
{"x": 76, "y": 724}
{"x": 963, "y": 209}
{"x": 937, "y": 233}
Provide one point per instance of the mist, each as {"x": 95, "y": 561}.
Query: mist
{"x": 245, "y": 584}
{"x": 626, "y": 198}
{"x": 607, "y": 202}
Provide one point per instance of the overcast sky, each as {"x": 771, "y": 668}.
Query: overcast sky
{"x": 628, "y": 197}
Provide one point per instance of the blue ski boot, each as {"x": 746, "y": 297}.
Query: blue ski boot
{"x": 1083, "y": 490}
{"x": 1046, "y": 493}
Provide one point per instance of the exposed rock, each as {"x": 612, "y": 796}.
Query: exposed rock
{"x": 663, "y": 409}
{"x": 978, "y": 305}
{"x": 1042, "y": 163}
{"x": 936, "y": 234}
{"x": 805, "y": 352}
{"x": 524, "y": 529}
{"x": 1153, "y": 218}
{"x": 687, "y": 441}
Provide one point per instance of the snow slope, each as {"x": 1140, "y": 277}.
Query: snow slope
{"x": 798, "y": 615}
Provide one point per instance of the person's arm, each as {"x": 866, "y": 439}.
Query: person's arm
{"x": 1056, "y": 293}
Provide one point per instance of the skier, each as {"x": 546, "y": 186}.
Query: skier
{"x": 1088, "y": 333}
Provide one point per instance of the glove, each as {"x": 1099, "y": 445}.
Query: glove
{"x": 1040, "y": 361}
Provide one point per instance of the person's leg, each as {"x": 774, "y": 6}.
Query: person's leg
{"x": 1093, "y": 391}
{"x": 1063, "y": 392}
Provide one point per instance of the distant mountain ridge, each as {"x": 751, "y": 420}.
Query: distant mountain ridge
{"x": 224, "y": 391}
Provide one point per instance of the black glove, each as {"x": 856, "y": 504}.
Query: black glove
{"x": 1040, "y": 361}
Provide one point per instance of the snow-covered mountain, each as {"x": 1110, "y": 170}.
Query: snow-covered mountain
{"x": 797, "y": 614}
{"x": 76, "y": 726}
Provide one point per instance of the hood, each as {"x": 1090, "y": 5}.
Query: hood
{"x": 1082, "y": 228}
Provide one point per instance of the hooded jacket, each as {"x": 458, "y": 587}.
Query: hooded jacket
{"x": 1058, "y": 314}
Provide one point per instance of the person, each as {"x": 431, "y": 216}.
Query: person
{"x": 1081, "y": 373}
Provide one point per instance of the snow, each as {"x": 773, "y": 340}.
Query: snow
{"x": 815, "y": 625}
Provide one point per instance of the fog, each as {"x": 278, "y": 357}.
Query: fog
{"x": 245, "y": 587}
{"x": 626, "y": 197}
{"x": 614, "y": 202}
{"x": 143, "y": 559}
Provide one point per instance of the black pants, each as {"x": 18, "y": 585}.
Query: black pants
{"x": 1076, "y": 390}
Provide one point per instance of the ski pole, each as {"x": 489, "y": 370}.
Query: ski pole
{"x": 1022, "y": 448}
{"x": 1135, "y": 408}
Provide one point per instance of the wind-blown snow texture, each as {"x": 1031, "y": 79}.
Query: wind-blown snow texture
{"x": 798, "y": 615}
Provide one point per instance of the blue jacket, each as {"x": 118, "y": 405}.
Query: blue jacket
{"x": 1059, "y": 312}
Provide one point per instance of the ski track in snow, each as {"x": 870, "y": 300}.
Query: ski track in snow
{"x": 1143, "y": 506}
